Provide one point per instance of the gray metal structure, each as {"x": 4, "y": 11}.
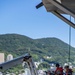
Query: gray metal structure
{"x": 59, "y": 7}
{"x": 19, "y": 60}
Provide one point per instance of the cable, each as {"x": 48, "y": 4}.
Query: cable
{"x": 69, "y": 40}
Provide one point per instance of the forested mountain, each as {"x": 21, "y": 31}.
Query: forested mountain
{"x": 48, "y": 49}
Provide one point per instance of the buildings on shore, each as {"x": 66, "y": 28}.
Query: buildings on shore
{"x": 2, "y": 57}
{"x": 7, "y": 58}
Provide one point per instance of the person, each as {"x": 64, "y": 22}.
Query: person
{"x": 68, "y": 70}
{"x": 59, "y": 70}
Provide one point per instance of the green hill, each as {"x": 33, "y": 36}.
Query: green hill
{"x": 53, "y": 48}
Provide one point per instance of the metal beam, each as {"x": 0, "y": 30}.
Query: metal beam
{"x": 62, "y": 7}
{"x": 19, "y": 60}
{"x": 63, "y": 18}
{"x": 15, "y": 61}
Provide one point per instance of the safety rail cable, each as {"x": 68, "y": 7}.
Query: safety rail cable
{"x": 69, "y": 40}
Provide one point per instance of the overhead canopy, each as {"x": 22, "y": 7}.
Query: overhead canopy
{"x": 67, "y": 3}
{"x": 59, "y": 7}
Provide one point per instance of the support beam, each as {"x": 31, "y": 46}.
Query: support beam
{"x": 14, "y": 62}
{"x": 63, "y": 18}
{"x": 62, "y": 7}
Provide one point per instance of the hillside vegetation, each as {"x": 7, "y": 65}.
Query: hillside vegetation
{"x": 54, "y": 48}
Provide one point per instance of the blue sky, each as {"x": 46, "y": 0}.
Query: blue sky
{"x": 21, "y": 17}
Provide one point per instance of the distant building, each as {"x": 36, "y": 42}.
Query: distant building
{"x": 36, "y": 64}
{"x": 1, "y": 57}
{"x": 9, "y": 57}
{"x": 41, "y": 60}
{"x": 49, "y": 57}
